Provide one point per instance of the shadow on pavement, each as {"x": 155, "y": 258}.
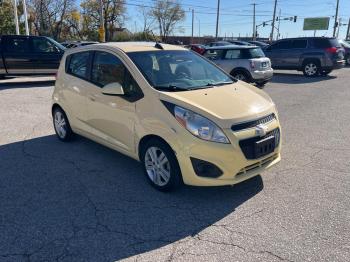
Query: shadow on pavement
{"x": 30, "y": 84}
{"x": 80, "y": 201}
{"x": 295, "y": 78}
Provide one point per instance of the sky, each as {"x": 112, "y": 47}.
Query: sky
{"x": 236, "y": 16}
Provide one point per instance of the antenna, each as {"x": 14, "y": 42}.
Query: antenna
{"x": 157, "y": 45}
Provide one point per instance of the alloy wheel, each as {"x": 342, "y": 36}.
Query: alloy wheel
{"x": 157, "y": 166}
{"x": 240, "y": 76}
{"x": 311, "y": 69}
{"x": 60, "y": 124}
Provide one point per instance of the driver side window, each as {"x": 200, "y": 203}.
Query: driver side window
{"x": 107, "y": 68}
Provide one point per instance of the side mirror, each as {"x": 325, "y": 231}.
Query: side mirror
{"x": 113, "y": 89}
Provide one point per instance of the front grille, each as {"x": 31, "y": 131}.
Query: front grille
{"x": 250, "y": 124}
{"x": 248, "y": 146}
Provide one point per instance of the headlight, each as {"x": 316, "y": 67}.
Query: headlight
{"x": 199, "y": 126}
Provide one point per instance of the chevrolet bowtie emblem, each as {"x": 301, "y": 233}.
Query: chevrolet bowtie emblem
{"x": 261, "y": 130}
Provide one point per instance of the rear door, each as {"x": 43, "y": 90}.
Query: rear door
{"x": 232, "y": 59}
{"x": 47, "y": 55}
{"x": 17, "y": 55}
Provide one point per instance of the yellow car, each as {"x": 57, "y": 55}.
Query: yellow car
{"x": 184, "y": 118}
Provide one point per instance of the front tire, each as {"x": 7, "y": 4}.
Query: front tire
{"x": 311, "y": 68}
{"x": 160, "y": 165}
{"x": 61, "y": 124}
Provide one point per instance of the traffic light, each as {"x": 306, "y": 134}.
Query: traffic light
{"x": 295, "y": 18}
{"x": 264, "y": 24}
{"x": 277, "y": 18}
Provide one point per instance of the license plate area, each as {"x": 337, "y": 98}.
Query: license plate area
{"x": 265, "y": 146}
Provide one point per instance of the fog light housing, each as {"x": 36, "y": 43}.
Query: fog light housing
{"x": 205, "y": 169}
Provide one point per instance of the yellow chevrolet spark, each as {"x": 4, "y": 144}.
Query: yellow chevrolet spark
{"x": 184, "y": 118}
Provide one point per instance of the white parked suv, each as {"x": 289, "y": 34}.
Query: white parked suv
{"x": 246, "y": 63}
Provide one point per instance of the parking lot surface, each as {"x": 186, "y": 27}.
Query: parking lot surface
{"x": 81, "y": 201}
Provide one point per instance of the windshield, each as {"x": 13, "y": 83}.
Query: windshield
{"x": 344, "y": 43}
{"x": 178, "y": 70}
{"x": 60, "y": 46}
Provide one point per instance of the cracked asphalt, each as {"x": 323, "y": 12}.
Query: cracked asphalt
{"x": 81, "y": 201}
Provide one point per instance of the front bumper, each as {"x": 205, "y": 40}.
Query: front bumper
{"x": 261, "y": 76}
{"x": 228, "y": 157}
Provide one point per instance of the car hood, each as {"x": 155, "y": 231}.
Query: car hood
{"x": 225, "y": 105}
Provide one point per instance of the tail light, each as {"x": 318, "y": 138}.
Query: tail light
{"x": 332, "y": 50}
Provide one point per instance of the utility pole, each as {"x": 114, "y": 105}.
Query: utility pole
{"x": 254, "y": 32}
{"x": 192, "y": 26}
{"x": 217, "y": 20}
{"x": 16, "y": 16}
{"x": 25, "y": 17}
{"x": 339, "y": 25}
{"x": 336, "y": 19}
{"x": 273, "y": 21}
{"x": 101, "y": 30}
{"x": 279, "y": 24}
{"x": 348, "y": 31}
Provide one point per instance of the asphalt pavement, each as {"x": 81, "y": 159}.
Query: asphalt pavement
{"x": 81, "y": 201}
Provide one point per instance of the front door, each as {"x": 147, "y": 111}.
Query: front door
{"x": 112, "y": 117}
{"x": 47, "y": 55}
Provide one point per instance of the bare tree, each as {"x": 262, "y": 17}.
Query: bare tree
{"x": 167, "y": 13}
{"x": 148, "y": 19}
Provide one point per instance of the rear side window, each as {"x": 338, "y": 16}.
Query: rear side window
{"x": 17, "y": 45}
{"x": 78, "y": 64}
{"x": 326, "y": 43}
{"x": 106, "y": 69}
{"x": 299, "y": 44}
{"x": 233, "y": 54}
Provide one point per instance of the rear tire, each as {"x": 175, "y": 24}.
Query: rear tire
{"x": 241, "y": 75}
{"x": 160, "y": 165}
{"x": 311, "y": 68}
{"x": 61, "y": 125}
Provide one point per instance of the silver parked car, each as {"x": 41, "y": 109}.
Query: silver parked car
{"x": 246, "y": 63}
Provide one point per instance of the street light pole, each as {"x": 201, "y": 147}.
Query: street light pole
{"x": 25, "y": 17}
{"x": 348, "y": 31}
{"x": 279, "y": 24}
{"x": 192, "y": 26}
{"x": 336, "y": 19}
{"x": 16, "y": 16}
{"x": 217, "y": 20}
{"x": 273, "y": 21}
{"x": 254, "y": 33}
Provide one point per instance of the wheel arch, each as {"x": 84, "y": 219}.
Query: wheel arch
{"x": 241, "y": 69}
{"x": 143, "y": 141}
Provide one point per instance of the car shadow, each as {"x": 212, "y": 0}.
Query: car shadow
{"x": 298, "y": 78}
{"x": 29, "y": 84}
{"x": 81, "y": 201}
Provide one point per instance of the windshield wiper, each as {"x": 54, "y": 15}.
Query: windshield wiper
{"x": 172, "y": 88}
{"x": 220, "y": 83}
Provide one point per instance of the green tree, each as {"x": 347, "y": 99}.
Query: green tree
{"x": 7, "y": 24}
{"x": 113, "y": 13}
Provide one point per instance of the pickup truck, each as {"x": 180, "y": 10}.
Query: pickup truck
{"x": 29, "y": 55}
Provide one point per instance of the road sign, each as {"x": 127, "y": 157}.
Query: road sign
{"x": 316, "y": 23}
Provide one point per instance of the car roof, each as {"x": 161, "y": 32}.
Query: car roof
{"x": 134, "y": 46}
{"x": 232, "y": 47}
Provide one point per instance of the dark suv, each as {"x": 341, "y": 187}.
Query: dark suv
{"x": 312, "y": 55}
